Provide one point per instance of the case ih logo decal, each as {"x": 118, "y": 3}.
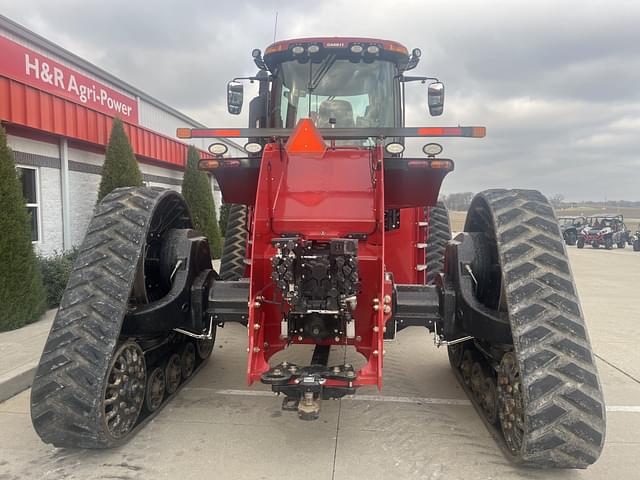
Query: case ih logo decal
{"x": 24, "y": 65}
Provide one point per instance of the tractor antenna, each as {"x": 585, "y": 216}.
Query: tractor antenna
{"x": 275, "y": 28}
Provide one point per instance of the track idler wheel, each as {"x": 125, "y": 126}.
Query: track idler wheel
{"x": 511, "y": 403}
{"x": 124, "y": 390}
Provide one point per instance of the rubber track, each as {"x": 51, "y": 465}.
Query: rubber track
{"x": 232, "y": 264}
{"x": 564, "y": 406}
{"x": 438, "y": 235}
{"x": 67, "y": 391}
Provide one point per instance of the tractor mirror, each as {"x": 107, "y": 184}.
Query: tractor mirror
{"x": 435, "y": 98}
{"x": 235, "y": 94}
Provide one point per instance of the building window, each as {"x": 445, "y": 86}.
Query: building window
{"x": 29, "y": 179}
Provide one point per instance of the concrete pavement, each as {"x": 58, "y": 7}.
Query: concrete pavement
{"x": 218, "y": 428}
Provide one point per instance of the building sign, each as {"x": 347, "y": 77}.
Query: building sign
{"x": 24, "y": 65}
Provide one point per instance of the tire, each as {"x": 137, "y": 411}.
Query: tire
{"x": 571, "y": 238}
{"x": 232, "y": 262}
{"x": 438, "y": 235}
{"x": 68, "y": 390}
{"x": 561, "y": 397}
{"x": 622, "y": 244}
{"x": 636, "y": 245}
{"x": 608, "y": 243}
{"x": 580, "y": 242}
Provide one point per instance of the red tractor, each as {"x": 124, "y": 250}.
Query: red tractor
{"x": 336, "y": 240}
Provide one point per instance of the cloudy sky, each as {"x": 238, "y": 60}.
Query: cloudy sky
{"x": 556, "y": 83}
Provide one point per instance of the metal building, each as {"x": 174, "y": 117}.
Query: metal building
{"x": 57, "y": 109}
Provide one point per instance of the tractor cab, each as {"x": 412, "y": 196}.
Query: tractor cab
{"x": 335, "y": 82}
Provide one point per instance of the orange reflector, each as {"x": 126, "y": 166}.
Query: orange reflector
{"x": 183, "y": 133}
{"x": 479, "y": 132}
{"x": 305, "y": 138}
{"x": 395, "y": 47}
{"x": 445, "y": 164}
{"x": 208, "y": 164}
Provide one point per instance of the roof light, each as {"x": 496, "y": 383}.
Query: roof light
{"x": 356, "y": 48}
{"x": 432, "y": 149}
{"x": 218, "y": 149}
{"x": 313, "y": 49}
{"x": 394, "y": 148}
{"x": 297, "y": 50}
{"x": 253, "y": 147}
{"x": 373, "y": 49}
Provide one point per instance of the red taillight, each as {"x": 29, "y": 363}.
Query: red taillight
{"x": 439, "y": 164}
{"x": 418, "y": 164}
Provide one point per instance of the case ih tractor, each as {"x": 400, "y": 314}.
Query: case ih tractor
{"x": 336, "y": 241}
{"x": 606, "y": 230}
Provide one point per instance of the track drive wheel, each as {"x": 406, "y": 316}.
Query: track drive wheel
{"x": 550, "y": 405}
{"x": 89, "y": 387}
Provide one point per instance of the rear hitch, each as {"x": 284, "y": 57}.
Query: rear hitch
{"x": 305, "y": 387}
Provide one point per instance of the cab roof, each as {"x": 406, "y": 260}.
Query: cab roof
{"x": 283, "y": 50}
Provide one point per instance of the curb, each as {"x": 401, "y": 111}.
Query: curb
{"x": 16, "y": 381}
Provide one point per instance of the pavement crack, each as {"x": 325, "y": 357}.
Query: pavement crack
{"x": 615, "y": 367}
{"x": 335, "y": 448}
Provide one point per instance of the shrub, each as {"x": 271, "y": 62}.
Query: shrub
{"x": 120, "y": 165}
{"x": 196, "y": 190}
{"x": 224, "y": 217}
{"x": 55, "y": 274}
{"x": 22, "y": 295}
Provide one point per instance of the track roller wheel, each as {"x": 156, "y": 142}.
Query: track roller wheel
{"x": 550, "y": 404}
{"x": 173, "y": 373}
{"x": 155, "y": 389}
{"x": 466, "y": 366}
{"x": 205, "y": 347}
{"x": 489, "y": 399}
{"x": 187, "y": 359}
{"x": 476, "y": 379}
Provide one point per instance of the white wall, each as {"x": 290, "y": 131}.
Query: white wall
{"x": 51, "y": 234}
